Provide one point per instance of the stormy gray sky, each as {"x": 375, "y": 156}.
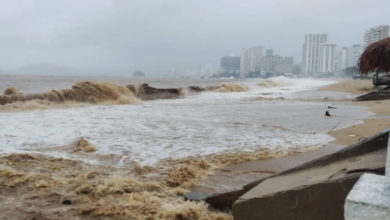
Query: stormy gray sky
{"x": 159, "y": 36}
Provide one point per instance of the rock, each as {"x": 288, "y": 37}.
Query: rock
{"x": 146, "y": 92}
{"x": 314, "y": 190}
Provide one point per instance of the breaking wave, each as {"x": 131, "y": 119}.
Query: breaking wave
{"x": 80, "y": 94}
{"x": 276, "y": 82}
{"x": 233, "y": 87}
{"x": 11, "y": 91}
{"x": 88, "y": 93}
{"x": 223, "y": 88}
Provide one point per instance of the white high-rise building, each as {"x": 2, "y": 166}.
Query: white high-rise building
{"x": 356, "y": 52}
{"x": 273, "y": 63}
{"x": 343, "y": 58}
{"x": 311, "y": 53}
{"x": 327, "y": 58}
{"x": 349, "y": 56}
{"x": 376, "y": 34}
{"x": 251, "y": 60}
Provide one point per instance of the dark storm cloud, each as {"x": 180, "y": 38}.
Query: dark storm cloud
{"x": 158, "y": 36}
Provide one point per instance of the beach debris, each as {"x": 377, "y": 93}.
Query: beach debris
{"x": 84, "y": 145}
{"x": 327, "y": 113}
{"x": 331, "y": 107}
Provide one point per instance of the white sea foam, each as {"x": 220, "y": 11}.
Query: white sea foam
{"x": 197, "y": 125}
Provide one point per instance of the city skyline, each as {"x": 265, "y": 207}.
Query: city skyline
{"x": 318, "y": 54}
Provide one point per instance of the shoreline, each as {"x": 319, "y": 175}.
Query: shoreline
{"x": 371, "y": 125}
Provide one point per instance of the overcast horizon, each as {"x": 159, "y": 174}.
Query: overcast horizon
{"x": 159, "y": 37}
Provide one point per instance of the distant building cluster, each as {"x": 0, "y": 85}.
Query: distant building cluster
{"x": 349, "y": 56}
{"x": 274, "y": 63}
{"x": 319, "y": 57}
{"x": 322, "y": 57}
{"x": 230, "y": 63}
{"x": 255, "y": 62}
{"x": 376, "y": 34}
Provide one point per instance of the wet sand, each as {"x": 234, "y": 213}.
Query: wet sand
{"x": 372, "y": 125}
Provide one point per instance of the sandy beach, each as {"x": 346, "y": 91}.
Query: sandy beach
{"x": 372, "y": 125}
{"x": 50, "y": 188}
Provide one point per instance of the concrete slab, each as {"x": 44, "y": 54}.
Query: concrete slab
{"x": 369, "y": 199}
{"x": 314, "y": 190}
{"x": 227, "y": 184}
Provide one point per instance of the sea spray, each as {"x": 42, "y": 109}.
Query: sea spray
{"x": 11, "y": 91}
{"x": 83, "y": 92}
{"x": 233, "y": 87}
{"x": 84, "y": 145}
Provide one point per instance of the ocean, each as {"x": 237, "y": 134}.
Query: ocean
{"x": 277, "y": 113}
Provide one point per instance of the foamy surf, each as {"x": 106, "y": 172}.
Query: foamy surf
{"x": 198, "y": 125}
